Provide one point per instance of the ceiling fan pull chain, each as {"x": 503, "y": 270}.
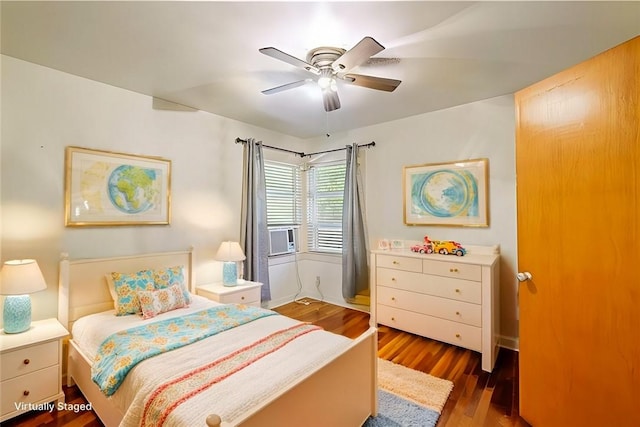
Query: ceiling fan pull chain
{"x": 326, "y": 123}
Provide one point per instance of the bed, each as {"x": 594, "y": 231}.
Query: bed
{"x": 314, "y": 379}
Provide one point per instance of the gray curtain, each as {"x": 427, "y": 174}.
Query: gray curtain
{"x": 254, "y": 235}
{"x": 355, "y": 269}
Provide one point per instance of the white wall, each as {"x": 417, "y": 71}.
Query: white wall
{"x": 46, "y": 110}
{"x": 484, "y": 129}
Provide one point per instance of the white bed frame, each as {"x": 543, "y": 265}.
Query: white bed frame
{"x": 340, "y": 393}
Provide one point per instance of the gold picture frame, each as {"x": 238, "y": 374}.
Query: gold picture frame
{"x": 453, "y": 193}
{"x": 105, "y": 188}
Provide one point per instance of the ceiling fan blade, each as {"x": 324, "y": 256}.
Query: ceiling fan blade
{"x": 278, "y": 54}
{"x": 330, "y": 100}
{"x": 371, "y": 82}
{"x": 359, "y": 54}
{"x": 285, "y": 87}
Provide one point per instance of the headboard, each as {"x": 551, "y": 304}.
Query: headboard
{"x": 82, "y": 287}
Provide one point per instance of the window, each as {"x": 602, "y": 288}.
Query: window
{"x": 284, "y": 194}
{"x": 325, "y": 192}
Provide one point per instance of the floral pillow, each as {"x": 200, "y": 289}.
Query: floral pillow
{"x": 167, "y": 277}
{"x": 161, "y": 300}
{"x": 126, "y": 287}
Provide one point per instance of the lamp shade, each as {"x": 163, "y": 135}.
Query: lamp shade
{"x": 230, "y": 251}
{"x": 21, "y": 277}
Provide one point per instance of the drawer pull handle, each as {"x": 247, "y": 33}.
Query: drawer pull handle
{"x": 26, "y": 361}
{"x": 393, "y": 319}
{"x": 457, "y": 335}
{"x": 25, "y": 393}
{"x": 396, "y": 263}
{"x": 393, "y": 298}
{"x": 453, "y": 270}
{"x": 242, "y": 298}
{"x": 457, "y": 313}
{"x": 458, "y": 291}
{"x": 393, "y": 279}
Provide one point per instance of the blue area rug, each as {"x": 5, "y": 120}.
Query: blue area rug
{"x": 408, "y": 398}
{"x": 394, "y": 411}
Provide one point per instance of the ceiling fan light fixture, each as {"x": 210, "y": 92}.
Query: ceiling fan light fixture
{"x": 326, "y": 82}
{"x": 327, "y": 79}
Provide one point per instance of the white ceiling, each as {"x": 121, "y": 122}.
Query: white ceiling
{"x": 205, "y": 54}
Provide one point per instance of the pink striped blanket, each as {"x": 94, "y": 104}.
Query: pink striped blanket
{"x": 176, "y": 391}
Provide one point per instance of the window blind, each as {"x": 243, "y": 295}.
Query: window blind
{"x": 284, "y": 194}
{"x": 325, "y": 192}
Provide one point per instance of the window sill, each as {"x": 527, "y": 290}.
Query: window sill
{"x": 306, "y": 256}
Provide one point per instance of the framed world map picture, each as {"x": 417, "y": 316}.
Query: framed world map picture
{"x": 107, "y": 188}
{"x": 453, "y": 193}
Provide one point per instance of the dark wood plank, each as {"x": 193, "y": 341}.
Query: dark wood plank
{"x": 478, "y": 398}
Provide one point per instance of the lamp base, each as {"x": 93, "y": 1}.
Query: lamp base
{"x": 17, "y": 314}
{"x": 229, "y": 273}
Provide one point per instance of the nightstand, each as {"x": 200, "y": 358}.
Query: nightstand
{"x": 247, "y": 293}
{"x": 31, "y": 368}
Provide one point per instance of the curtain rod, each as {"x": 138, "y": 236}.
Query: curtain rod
{"x": 244, "y": 141}
{"x": 302, "y": 154}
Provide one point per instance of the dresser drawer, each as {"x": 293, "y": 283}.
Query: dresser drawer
{"x": 452, "y": 269}
{"x": 460, "y": 290}
{"x": 399, "y": 279}
{"x": 447, "y": 331}
{"x": 400, "y": 263}
{"x": 29, "y": 388}
{"x": 28, "y": 359}
{"x": 444, "y": 308}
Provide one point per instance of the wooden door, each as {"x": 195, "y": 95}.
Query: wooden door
{"x": 578, "y": 201}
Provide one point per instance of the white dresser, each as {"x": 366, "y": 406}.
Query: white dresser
{"x": 445, "y": 297}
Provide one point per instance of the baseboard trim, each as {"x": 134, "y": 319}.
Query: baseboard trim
{"x": 511, "y": 343}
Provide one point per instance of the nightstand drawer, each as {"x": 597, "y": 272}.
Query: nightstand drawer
{"x": 245, "y": 296}
{"x": 30, "y": 359}
{"x": 247, "y": 293}
{"x": 29, "y": 388}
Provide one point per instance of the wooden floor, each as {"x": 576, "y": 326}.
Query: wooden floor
{"x": 478, "y": 398}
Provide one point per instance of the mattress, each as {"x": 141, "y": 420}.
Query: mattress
{"x": 233, "y": 396}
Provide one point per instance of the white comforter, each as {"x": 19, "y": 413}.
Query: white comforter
{"x": 231, "y": 398}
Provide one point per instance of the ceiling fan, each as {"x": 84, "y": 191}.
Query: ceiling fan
{"x": 331, "y": 63}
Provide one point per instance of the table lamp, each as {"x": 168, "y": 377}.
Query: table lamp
{"x": 19, "y": 278}
{"x": 230, "y": 253}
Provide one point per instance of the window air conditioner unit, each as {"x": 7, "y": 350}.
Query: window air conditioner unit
{"x": 282, "y": 240}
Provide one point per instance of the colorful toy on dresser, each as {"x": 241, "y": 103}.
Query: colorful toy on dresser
{"x": 444, "y": 247}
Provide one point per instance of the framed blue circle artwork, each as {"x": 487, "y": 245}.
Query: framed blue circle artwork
{"x": 447, "y": 193}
